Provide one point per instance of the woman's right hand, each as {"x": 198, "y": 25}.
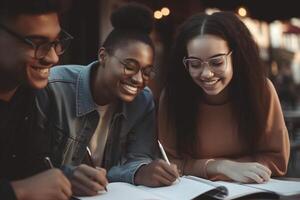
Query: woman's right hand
{"x": 250, "y": 172}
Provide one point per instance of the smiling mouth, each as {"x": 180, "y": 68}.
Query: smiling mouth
{"x": 130, "y": 89}
{"x": 210, "y": 83}
{"x": 41, "y": 70}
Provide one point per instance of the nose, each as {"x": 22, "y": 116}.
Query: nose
{"x": 51, "y": 57}
{"x": 206, "y": 72}
{"x": 137, "y": 78}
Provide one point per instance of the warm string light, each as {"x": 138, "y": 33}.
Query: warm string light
{"x": 242, "y": 12}
{"x": 158, "y": 14}
{"x": 165, "y": 11}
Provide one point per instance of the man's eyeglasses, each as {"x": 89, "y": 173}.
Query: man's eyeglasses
{"x": 132, "y": 67}
{"x": 41, "y": 50}
{"x": 216, "y": 64}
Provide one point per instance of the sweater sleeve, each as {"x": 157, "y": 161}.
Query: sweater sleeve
{"x": 274, "y": 147}
{"x": 6, "y": 191}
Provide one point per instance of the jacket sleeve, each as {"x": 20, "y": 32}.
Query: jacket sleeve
{"x": 141, "y": 146}
{"x": 6, "y": 191}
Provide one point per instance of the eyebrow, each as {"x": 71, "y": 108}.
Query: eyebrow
{"x": 43, "y": 38}
{"x": 37, "y": 37}
{"x": 213, "y": 56}
{"x": 137, "y": 62}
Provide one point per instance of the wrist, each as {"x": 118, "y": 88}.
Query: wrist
{"x": 138, "y": 176}
{"x": 216, "y": 167}
{"x": 224, "y": 166}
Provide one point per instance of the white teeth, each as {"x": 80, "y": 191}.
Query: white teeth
{"x": 42, "y": 70}
{"x": 130, "y": 89}
{"x": 210, "y": 82}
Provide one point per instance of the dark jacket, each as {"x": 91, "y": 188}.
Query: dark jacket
{"x": 22, "y": 145}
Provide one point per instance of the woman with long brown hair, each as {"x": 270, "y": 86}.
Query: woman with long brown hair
{"x": 219, "y": 116}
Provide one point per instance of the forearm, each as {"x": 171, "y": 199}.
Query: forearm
{"x": 194, "y": 167}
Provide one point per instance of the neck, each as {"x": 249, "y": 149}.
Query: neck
{"x": 6, "y": 95}
{"x": 99, "y": 89}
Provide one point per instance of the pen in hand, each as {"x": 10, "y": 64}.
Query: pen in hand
{"x": 51, "y": 166}
{"x": 165, "y": 155}
{"x": 163, "y": 152}
{"x": 92, "y": 162}
{"x": 90, "y": 157}
{"x": 48, "y": 162}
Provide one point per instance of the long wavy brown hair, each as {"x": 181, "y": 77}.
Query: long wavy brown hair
{"x": 247, "y": 89}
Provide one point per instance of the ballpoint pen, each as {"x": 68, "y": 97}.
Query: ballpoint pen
{"x": 165, "y": 155}
{"x": 48, "y": 162}
{"x": 92, "y": 162}
{"x": 90, "y": 157}
{"x": 50, "y": 165}
{"x": 163, "y": 152}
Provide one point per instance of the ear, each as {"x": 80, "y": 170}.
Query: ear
{"x": 101, "y": 55}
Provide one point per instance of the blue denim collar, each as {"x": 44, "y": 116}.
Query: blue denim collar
{"x": 84, "y": 100}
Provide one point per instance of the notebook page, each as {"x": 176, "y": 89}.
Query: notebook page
{"x": 183, "y": 190}
{"x": 236, "y": 190}
{"x": 122, "y": 191}
{"x": 281, "y": 187}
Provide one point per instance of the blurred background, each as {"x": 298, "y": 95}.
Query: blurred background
{"x": 275, "y": 26}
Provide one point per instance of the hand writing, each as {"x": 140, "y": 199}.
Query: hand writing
{"x": 157, "y": 173}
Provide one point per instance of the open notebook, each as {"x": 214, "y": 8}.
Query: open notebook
{"x": 190, "y": 187}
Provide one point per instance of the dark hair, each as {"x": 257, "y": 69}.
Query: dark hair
{"x": 12, "y": 8}
{"x": 131, "y": 22}
{"x": 247, "y": 88}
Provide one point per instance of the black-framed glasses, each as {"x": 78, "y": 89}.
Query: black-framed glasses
{"x": 132, "y": 67}
{"x": 41, "y": 50}
{"x": 217, "y": 64}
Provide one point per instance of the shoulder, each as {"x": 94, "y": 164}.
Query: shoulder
{"x": 65, "y": 73}
{"x": 145, "y": 96}
{"x": 61, "y": 84}
{"x": 271, "y": 90}
{"x": 270, "y": 85}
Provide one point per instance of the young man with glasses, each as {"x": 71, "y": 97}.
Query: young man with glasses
{"x": 31, "y": 41}
{"x": 107, "y": 107}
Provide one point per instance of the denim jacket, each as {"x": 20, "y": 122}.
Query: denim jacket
{"x": 70, "y": 116}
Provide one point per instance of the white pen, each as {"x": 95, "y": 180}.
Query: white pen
{"x": 48, "y": 162}
{"x": 166, "y": 158}
{"x": 163, "y": 152}
{"x": 92, "y": 162}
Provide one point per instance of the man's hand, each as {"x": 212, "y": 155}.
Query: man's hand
{"x": 251, "y": 172}
{"x": 87, "y": 181}
{"x": 157, "y": 173}
{"x": 48, "y": 185}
